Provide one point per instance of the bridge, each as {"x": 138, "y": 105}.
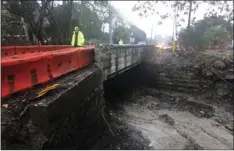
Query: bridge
{"x": 78, "y": 73}
{"x": 26, "y": 66}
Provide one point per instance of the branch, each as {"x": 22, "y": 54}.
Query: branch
{"x": 13, "y": 8}
{"x": 97, "y": 10}
{"x": 17, "y": 22}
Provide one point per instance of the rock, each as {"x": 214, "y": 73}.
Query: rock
{"x": 228, "y": 61}
{"x": 164, "y": 105}
{"x": 166, "y": 118}
{"x": 222, "y": 88}
{"x": 229, "y": 77}
{"x": 191, "y": 74}
{"x": 219, "y": 64}
{"x": 208, "y": 73}
{"x": 202, "y": 113}
{"x": 229, "y": 127}
{"x": 193, "y": 146}
{"x": 153, "y": 107}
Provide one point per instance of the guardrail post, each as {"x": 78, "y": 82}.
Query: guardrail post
{"x": 116, "y": 60}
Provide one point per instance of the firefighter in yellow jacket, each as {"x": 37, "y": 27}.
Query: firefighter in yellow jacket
{"x": 120, "y": 42}
{"x": 77, "y": 38}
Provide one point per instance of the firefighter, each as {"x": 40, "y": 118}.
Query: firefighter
{"x": 132, "y": 39}
{"x": 77, "y": 38}
{"x": 120, "y": 42}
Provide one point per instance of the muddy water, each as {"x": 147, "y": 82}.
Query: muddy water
{"x": 170, "y": 127}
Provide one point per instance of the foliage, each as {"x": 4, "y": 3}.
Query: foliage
{"x": 124, "y": 33}
{"x": 203, "y": 33}
{"x": 144, "y": 8}
{"x": 54, "y": 23}
{"x": 121, "y": 33}
{"x": 147, "y": 8}
{"x": 32, "y": 12}
{"x": 48, "y": 21}
{"x": 217, "y": 31}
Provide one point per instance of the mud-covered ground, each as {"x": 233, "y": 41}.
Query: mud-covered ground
{"x": 154, "y": 119}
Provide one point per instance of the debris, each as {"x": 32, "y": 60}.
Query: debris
{"x": 202, "y": 113}
{"x": 167, "y": 119}
{"x": 5, "y": 106}
{"x": 108, "y": 125}
{"x": 219, "y": 64}
{"x": 229, "y": 127}
{"x": 47, "y": 89}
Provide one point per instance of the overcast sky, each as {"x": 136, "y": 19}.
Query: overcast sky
{"x": 125, "y": 8}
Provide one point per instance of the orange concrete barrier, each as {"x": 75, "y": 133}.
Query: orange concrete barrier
{"x": 20, "y": 72}
{"x": 23, "y": 71}
{"x": 63, "y": 62}
{"x": 18, "y": 50}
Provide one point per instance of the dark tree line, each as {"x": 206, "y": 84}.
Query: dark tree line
{"x": 48, "y": 21}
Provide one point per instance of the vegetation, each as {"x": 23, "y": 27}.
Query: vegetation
{"x": 203, "y": 33}
{"x": 49, "y": 21}
{"x": 216, "y": 26}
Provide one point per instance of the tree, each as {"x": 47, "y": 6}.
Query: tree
{"x": 144, "y": 8}
{"x": 13, "y": 27}
{"x": 60, "y": 23}
{"x": 53, "y": 22}
{"x": 203, "y": 32}
{"x": 32, "y": 13}
{"x": 224, "y": 10}
{"x": 189, "y": 16}
{"x": 121, "y": 33}
{"x": 219, "y": 32}
{"x": 147, "y": 8}
{"x": 138, "y": 34}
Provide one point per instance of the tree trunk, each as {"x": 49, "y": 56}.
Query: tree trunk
{"x": 64, "y": 2}
{"x": 151, "y": 34}
{"x": 69, "y": 21}
{"x": 25, "y": 29}
{"x": 40, "y": 39}
{"x": 189, "y": 16}
{"x": 110, "y": 25}
{"x": 81, "y": 13}
{"x": 55, "y": 39}
{"x": 30, "y": 36}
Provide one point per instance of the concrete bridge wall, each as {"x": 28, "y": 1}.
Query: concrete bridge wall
{"x": 115, "y": 59}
